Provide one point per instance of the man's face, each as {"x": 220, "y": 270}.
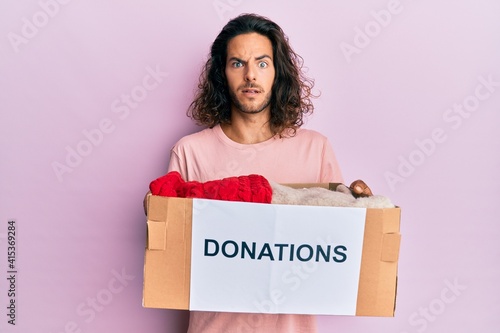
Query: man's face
{"x": 250, "y": 72}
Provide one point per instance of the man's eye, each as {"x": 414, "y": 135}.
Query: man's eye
{"x": 237, "y": 64}
{"x": 263, "y": 64}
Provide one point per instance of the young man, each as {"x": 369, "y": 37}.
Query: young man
{"x": 252, "y": 98}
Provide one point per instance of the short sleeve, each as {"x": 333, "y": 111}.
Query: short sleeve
{"x": 330, "y": 169}
{"x": 175, "y": 163}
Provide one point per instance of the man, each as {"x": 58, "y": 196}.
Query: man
{"x": 252, "y": 98}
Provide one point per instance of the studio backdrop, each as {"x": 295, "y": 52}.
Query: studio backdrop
{"x": 93, "y": 94}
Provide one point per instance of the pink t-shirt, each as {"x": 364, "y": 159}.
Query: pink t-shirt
{"x": 210, "y": 155}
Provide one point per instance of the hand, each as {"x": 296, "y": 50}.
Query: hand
{"x": 360, "y": 189}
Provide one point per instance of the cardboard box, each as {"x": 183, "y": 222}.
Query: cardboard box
{"x": 168, "y": 262}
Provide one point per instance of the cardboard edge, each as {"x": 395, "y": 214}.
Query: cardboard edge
{"x": 329, "y": 186}
{"x": 167, "y": 282}
{"x": 187, "y": 252}
{"x": 378, "y": 278}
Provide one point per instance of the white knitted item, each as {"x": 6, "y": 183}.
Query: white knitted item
{"x": 317, "y": 196}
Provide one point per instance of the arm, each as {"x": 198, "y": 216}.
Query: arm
{"x": 330, "y": 169}
{"x": 173, "y": 164}
{"x": 145, "y": 203}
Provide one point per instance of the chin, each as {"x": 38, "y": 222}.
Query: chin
{"x": 251, "y": 109}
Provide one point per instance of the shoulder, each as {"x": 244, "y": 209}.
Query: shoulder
{"x": 308, "y": 135}
{"x": 196, "y": 138}
{"x": 305, "y": 141}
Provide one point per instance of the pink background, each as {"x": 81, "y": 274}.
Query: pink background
{"x": 390, "y": 100}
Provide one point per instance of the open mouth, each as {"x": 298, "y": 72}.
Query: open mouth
{"x": 250, "y": 91}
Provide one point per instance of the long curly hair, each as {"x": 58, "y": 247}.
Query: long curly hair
{"x": 291, "y": 92}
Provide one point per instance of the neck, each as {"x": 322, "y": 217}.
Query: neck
{"x": 248, "y": 128}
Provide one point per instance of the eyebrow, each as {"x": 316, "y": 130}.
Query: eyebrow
{"x": 258, "y": 58}
{"x": 263, "y": 56}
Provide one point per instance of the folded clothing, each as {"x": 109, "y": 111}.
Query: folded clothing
{"x": 251, "y": 188}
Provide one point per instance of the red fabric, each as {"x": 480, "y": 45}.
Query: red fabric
{"x": 251, "y": 188}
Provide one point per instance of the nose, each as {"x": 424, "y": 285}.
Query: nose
{"x": 249, "y": 74}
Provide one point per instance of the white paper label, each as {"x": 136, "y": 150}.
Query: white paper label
{"x": 263, "y": 258}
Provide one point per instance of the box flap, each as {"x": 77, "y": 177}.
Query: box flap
{"x": 167, "y": 269}
{"x": 157, "y": 235}
{"x": 377, "y": 282}
{"x": 390, "y": 247}
{"x": 329, "y": 186}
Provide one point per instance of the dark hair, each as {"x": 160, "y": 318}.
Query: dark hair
{"x": 291, "y": 93}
